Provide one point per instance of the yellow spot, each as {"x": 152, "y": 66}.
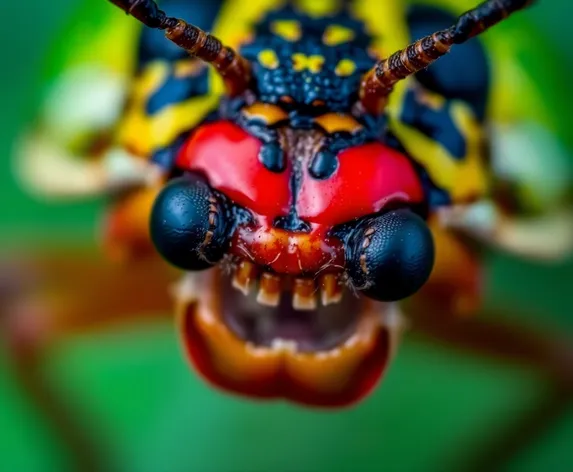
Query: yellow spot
{"x": 318, "y": 8}
{"x": 298, "y": 62}
{"x": 433, "y": 100}
{"x": 287, "y": 29}
{"x": 336, "y": 34}
{"x": 345, "y": 68}
{"x": 302, "y": 62}
{"x": 336, "y": 122}
{"x": 315, "y": 64}
{"x": 267, "y": 112}
{"x": 268, "y": 59}
{"x": 188, "y": 68}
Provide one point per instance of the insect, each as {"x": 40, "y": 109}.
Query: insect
{"x": 316, "y": 185}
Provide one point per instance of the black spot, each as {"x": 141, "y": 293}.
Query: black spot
{"x": 292, "y": 223}
{"x": 436, "y": 124}
{"x": 272, "y": 157}
{"x": 323, "y": 165}
{"x": 178, "y": 89}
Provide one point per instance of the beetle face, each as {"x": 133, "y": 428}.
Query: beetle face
{"x": 298, "y": 302}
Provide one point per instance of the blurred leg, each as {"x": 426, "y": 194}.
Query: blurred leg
{"x": 521, "y": 432}
{"x": 45, "y": 299}
{"x": 489, "y": 334}
{"x": 547, "y": 237}
{"x": 449, "y": 311}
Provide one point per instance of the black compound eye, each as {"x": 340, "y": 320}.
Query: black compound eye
{"x": 390, "y": 257}
{"x": 189, "y": 224}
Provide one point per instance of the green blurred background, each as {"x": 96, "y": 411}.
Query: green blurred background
{"x": 151, "y": 414}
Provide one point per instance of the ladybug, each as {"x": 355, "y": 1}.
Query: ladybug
{"x": 299, "y": 199}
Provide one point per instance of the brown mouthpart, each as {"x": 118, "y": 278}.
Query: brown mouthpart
{"x": 324, "y": 355}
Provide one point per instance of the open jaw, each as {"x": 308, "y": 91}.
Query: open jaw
{"x": 266, "y": 335}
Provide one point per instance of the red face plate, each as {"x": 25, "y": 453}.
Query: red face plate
{"x": 227, "y": 156}
{"x": 368, "y": 177}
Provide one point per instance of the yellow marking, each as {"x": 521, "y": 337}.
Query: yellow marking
{"x": 269, "y": 113}
{"x": 132, "y": 129}
{"x": 289, "y": 30}
{"x": 301, "y": 62}
{"x": 345, "y": 68}
{"x": 464, "y": 179}
{"x": 188, "y": 68}
{"x": 234, "y": 26}
{"x": 318, "y": 8}
{"x": 335, "y": 122}
{"x": 385, "y": 21}
{"x": 431, "y": 99}
{"x": 268, "y": 59}
{"x": 315, "y": 64}
{"x": 141, "y": 133}
{"x": 148, "y": 134}
{"x": 298, "y": 62}
{"x": 337, "y": 34}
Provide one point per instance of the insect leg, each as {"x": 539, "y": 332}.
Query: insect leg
{"x": 47, "y": 298}
{"x": 547, "y": 238}
{"x": 520, "y": 433}
{"x": 486, "y": 335}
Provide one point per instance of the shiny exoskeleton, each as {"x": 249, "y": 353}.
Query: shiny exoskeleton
{"x": 318, "y": 167}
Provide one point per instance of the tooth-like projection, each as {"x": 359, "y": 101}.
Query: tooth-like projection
{"x": 269, "y": 289}
{"x": 303, "y": 297}
{"x": 284, "y": 345}
{"x": 244, "y": 276}
{"x": 330, "y": 289}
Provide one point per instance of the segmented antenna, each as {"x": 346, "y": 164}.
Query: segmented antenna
{"x": 378, "y": 83}
{"x": 235, "y": 70}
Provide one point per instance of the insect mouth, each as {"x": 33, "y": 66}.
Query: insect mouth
{"x": 270, "y": 310}
{"x": 316, "y": 346}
